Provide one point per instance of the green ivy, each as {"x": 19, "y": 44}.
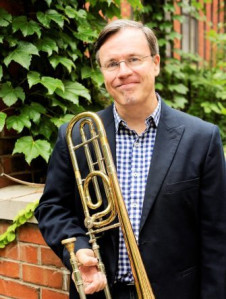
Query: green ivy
{"x": 47, "y": 68}
{"x": 189, "y": 84}
{"x": 22, "y": 217}
{"x": 48, "y": 71}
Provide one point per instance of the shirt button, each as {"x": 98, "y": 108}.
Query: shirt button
{"x": 136, "y": 144}
{"x": 134, "y": 205}
{"x": 135, "y": 174}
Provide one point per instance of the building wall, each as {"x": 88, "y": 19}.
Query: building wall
{"x": 29, "y": 269}
{"x": 194, "y": 32}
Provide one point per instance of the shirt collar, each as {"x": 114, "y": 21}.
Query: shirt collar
{"x": 152, "y": 118}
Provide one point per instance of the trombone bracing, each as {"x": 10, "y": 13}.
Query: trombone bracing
{"x": 101, "y": 220}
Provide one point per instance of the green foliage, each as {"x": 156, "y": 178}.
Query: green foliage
{"x": 23, "y": 216}
{"x": 47, "y": 68}
{"x": 48, "y": 71}
{"x": 189, "y": 84}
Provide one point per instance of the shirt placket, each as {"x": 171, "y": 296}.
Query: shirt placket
{"x": 134, "y": 207}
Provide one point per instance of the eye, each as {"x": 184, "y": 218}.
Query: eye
{"x": 134, "y": 59}
{"x": 111, "y": 64}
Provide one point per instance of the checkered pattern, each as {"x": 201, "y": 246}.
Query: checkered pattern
{"x": 134, "y": 153}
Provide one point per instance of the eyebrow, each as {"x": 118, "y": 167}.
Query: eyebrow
{"x": 129, "y": 55}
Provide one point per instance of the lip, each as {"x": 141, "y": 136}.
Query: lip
{"x": 127, "y": 85}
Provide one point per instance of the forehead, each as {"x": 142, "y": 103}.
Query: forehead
{"x": 127, "y": 41}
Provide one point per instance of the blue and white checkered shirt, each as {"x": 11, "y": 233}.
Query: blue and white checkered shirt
{"x": 134, "y": 153}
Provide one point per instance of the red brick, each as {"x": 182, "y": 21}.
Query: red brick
{"x": 31, "y": 234}
{"x": 11, "y": 251}
{"x": 208, "y": 22}
{"x": 10, "y": 269}
{"x": 4, "y": 225}
{"x": 28, "y": 253}
{"x": 125, "y": 9}
{"x": 48, "y": 258}
{"x": 13, "y": 289}
{"x": 47, "y": 294}
{"x": 201, "y": 33}
{"x": 42, "y": 276}
{"x": 177, "y": 28}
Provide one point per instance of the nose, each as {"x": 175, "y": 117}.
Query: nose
{"x": 124, "y": 70}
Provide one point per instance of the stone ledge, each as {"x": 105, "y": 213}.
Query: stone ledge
{"x": 15, "y": 198}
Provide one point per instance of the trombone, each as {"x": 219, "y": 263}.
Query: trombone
{"x": 102, "y": 220}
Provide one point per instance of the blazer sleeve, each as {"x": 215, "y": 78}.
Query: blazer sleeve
{"x": 60, "y": 213}
{"x": 213, "y": 221}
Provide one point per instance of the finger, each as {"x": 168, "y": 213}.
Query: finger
{"x": 86, "y": 257}
{"x": 98, "y": 284}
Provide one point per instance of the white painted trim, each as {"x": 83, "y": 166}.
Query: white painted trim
{"x": 15, "y": 198}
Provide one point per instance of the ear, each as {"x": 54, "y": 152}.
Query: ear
{"x": 156, "y": 60}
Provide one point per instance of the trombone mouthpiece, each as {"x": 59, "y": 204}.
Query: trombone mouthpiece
{"x": 68, "y": 241}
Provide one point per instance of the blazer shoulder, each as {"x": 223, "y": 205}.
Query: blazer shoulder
{"x": 190, "y": 121}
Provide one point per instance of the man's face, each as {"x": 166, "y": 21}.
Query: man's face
{"x": 129, "y": 85}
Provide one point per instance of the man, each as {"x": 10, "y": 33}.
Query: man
{"x": 171, "y": 170}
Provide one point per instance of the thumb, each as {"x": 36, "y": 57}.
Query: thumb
{"x": 86, "y": 257}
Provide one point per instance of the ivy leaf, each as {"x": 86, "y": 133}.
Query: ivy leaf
{"x": 72, "y": 91}
{"x": 179, "y": 102}
{"x": 52, "y": 84}
{"x": 2, "y": 120}
{"x": 80, "y": 15}
{"x": 47, "y": 45}
{"x": 11, "y": 236}
{"x": 135, "y": 4}
{"x": 179, "y": 18}
{"x": 55, "y": 60}
{"x": 10, "y": 95}
{"x": 159, "y": 86}
{"x": 68, "y": 40}
{"x": 32, "y": 148}
{"x": 48, "y": 2}
{"x": 173, "y": 35}
{"x": 1, "y": 73}
{"x": 26, "y": 27}
{"x": 58, "y": 121}
{"x": 221, "y": 94}
{"x": 57, "y": 103}
{"x": 22, "y": 54}
{"x": 86, "y": 34}
{"x": 95, "y": 74}
{"x": 70, "y": 12}
{"x": 45, "y": 128}
{"x": 5, "y": 18}
{"x": 86, "y": 72}
{"x": 97, "y": 77}
{"x": 33, "y": 111}
{"x": 33, "y": 78}
{"x": 21, "y": 220}
{"x": 18, "y": 122}
{"x": 50, "y": 15}
{"x": 180, "y": 88}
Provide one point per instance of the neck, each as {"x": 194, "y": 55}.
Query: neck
{"x": 135, "y": 116}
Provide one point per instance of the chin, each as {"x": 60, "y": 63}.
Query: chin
{"x": 128, "y": 100}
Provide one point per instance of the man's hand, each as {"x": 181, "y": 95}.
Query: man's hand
{"x": 94, "y": 280}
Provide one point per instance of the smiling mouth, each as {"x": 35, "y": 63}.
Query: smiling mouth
{"x": 127, "y": 85}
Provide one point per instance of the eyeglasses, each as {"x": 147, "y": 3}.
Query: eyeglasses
{"x": 131, "y": 62}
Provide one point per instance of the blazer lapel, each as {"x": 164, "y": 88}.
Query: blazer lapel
{"x": 109, "y": 125}
{"x": 167, "y": 140}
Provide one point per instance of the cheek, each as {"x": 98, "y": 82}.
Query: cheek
{"x": 109, "y": 85}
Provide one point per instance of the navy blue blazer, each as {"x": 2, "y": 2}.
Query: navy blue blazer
{"x": 182, "y": 236}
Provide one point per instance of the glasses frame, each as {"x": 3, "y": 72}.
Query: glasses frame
{"x": 117, "y": 66}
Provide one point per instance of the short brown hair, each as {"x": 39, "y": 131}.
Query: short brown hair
{"x": 120, "y": 24}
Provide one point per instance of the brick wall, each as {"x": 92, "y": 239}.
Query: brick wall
{"x": 29, "y": 269}
{"x": 214, "y": 12}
